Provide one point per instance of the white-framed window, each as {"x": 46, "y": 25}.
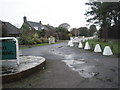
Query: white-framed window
{"x": 36, "y": 28}
{"x": 42, "y": 28}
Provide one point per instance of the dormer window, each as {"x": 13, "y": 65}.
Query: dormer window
{"x": 36, "y": 28}
{"x": 42, "y": 28}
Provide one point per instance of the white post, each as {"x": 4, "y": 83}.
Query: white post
{"x": 17, "y": 51}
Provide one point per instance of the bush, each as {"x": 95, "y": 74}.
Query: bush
{"x": 29, "y": 41}
{"x": 44, "y": 40}
{"x": 38, "y": 41}
{"x": 26, "y": 37}
{"x": 20, "y": 41}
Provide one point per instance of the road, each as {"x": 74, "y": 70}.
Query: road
{"x": 70, "y": 67}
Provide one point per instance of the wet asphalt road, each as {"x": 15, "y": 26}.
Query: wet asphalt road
{"x": 70, "y": 67}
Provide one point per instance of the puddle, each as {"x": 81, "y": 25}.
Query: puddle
{"x": 105, "y": 80}
{"x": 60, "y": 47}
{"x": 71, "y": 62}
{"x": 71, "y": 56}
{"x": 52, "y": 50}
{"x": 57, "y": 53}
{"x": 84, "y": 72}
{"x": 113, "y": 70}
{"x": 83, "y": 60}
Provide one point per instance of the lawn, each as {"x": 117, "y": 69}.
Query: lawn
{"x": 113, "y": 44}
{"x": 36, "y": 45}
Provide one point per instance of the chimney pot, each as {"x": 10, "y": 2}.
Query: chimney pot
{"x": 40, "y": 22}
{"x": 25, "y": 19}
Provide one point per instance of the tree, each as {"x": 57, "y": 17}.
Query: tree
{"x": 69, "y": 35}
{"x": 104, "y": 13}
{"x": 74, "y": 31}
{"x": 26, "y": 36}
{"x": 50, "y": 31}
{"x": 84, "y": 31}
{"x": 65, "y": 25}
{"x": 62, "y": 33}
{"x": 92, "y": 30}
{"x": 41, "y": 33}
{"x": 107, "y": 15}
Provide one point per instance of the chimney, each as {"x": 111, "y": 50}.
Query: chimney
{"x": 25, "y": 19}
{"x": 40, "y": 22}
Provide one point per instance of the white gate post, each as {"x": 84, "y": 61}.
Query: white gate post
{"x": 17, "y": 51}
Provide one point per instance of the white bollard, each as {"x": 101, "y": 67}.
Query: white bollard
{"x": 97, "y": 48}
{"x": 107, "y": 51}
{"x": 49, "y": 40}
{"x": 87, "y": 46}
{"x": 80, "y": 45}
{"x": 53, "y": 40}
{"x": 71, "y": 43}
{"x": 71, "y": 38}
{"x": 20, "y": 53}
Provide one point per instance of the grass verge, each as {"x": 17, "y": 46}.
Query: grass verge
{"x": 36, "y": 45}
{"x": 113, "y": 44}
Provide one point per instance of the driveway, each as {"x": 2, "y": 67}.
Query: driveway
{"x": 70, "y": 67}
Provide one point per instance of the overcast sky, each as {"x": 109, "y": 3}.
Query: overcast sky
{"x": 53, "y": 12}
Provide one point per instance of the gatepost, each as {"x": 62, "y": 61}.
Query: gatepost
{"x": 10, "y": 50}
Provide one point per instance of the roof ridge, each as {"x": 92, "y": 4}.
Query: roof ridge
{"x": 33, "y": 22}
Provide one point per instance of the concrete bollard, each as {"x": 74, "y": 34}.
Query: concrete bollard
{"x": 80, "y": 45}
{"x": 71, "y": 43}
{"x": 87, "y": 46}
{"x": 20, "y": 53}
{"x": 107, "y": 51}
{"x": 97, "y": 48}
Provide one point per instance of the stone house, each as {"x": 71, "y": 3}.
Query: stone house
{"x": 34, "y": 26}
{"x": 38, "y": 26}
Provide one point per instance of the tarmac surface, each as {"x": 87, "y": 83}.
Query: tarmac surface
{"x": 70, "y": 67}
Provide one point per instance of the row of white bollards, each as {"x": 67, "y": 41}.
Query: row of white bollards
{"x": 107, "y": 50}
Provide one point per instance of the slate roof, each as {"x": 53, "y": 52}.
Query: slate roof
{"x": 37, "y": 25}
{"x": 49, "y": 27}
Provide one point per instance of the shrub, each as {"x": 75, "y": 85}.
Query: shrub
{"x": 38, "y": 41}
{"x": 44, "y": 40}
